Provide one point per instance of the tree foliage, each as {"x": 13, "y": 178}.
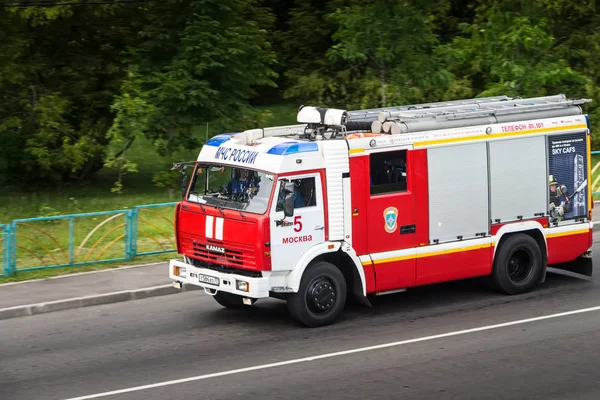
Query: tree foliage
{"x": 79, "y": 83}
{"x": 59, "y": 68}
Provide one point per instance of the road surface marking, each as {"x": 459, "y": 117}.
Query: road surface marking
{"x": 336, "y": 354}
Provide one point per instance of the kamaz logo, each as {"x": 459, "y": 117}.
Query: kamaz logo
{"x": 215, "y": 249}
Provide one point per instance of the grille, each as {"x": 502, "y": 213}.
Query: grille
{"x": 237, "y": 256}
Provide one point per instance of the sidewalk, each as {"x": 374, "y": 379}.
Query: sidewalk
{"x": 85, "y": 289}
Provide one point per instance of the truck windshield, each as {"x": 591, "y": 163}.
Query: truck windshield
{"x": 231, "y": 187}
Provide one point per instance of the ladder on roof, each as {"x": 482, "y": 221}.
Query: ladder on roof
{"x": 369, "y": 114}
{"x": 361, "y": 119}
{"x": 478, "y": 113}
{"x": 439, "y": 115}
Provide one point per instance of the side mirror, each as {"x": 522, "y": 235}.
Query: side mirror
{"x": 288, "y": 200}
{"x": 184, "y": 181}
{"x": 184, "y": 178}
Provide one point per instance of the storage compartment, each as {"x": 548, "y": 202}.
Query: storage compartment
{"x": 458, "y": 192}
{"x": 518, "y": 178}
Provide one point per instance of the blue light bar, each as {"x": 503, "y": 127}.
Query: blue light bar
{"x": 220, "y": 139}
{"x": 284, "y": 149}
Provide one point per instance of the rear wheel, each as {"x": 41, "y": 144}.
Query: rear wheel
{"x": 518, "y": 264}
{"x": 321, "y": 297}
{"x": 230, "y": 300}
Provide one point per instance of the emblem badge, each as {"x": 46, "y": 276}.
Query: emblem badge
{"x": 215, "y": 249}
{"x": 390, "y": 215}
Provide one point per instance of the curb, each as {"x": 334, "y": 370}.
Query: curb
{"x": 94, "y": 300}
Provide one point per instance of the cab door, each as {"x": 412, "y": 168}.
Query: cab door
{"x": 291, "y": 236}
{"x": 391, "y": 220}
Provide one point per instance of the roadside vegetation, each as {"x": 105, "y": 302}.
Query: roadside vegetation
{"x": 47, "y": 242}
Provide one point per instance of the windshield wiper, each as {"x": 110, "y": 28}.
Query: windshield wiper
{"x": 243, "y": 216}
{"x": 220, "y": 210}
{"x": 197, "y": 195}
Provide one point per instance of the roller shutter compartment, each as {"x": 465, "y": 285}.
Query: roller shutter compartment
{"x": 458, "y": 192}
{"x": 518, "y": 178}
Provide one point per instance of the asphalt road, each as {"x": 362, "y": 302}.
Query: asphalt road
{"x": 433, "y": 351}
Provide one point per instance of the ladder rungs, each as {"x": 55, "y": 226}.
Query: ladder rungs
{"x": 471, "y": 112}
{"x": 374, "y": 112}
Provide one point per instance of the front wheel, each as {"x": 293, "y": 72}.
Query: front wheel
{"x": 321, "y": 297}
{"x": 518, "y": 265}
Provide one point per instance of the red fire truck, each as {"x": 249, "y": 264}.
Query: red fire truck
{"x": 370, "y": 202}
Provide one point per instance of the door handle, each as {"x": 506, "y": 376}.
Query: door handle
{"x": 407, "y": 229}
{"x": 319, "y": 227}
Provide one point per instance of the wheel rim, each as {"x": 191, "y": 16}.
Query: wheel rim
{"x": 321, "y": 295}
{"x": 520, "y": 266}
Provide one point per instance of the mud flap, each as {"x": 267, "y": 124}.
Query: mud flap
{"x": 582, "y": 267}
{"x": 359, "y": 299}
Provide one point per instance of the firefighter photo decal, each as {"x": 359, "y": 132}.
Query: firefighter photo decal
{"x": 567, "y": 180}
{"x": 390, "y": 215}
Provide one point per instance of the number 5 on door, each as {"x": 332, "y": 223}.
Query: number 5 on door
{"x": 297, "y": 222}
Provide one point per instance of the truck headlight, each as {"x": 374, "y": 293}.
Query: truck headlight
{"x": 242, "y": 286}
{"x": 179, "y": 271}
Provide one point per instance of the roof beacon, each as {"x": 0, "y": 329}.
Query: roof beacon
{"x": 323, "y": 123}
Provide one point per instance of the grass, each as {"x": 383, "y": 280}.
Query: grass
{"x": 94, "y": 195}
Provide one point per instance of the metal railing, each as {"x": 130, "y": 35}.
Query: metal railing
{"x": 4, "y": 248}
{"x": 87, "y": 238}
{"x": 594, "y": 184}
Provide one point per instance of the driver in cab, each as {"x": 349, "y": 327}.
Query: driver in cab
{"x": 241, "y": 183}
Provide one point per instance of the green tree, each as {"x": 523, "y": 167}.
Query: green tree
{"x": 510, "y": 49}
{"x": 196, "y": 61}
{"x": 59, "y": 69}
{"x": 575, "y": 27}
{"x": 303, "y": 44}
{"x": 381, "y": 55}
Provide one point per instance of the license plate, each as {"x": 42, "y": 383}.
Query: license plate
{"x": 208, "y": 279}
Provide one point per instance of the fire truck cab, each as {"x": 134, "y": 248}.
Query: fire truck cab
{"x": 377, "y": 201}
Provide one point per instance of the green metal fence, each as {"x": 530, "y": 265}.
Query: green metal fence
{"x": 4, "y": 247}
{"x": 594, "y": 185}
{"x": 88, "y": 238}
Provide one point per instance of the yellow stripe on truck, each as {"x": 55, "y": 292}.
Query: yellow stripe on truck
{"x": 498, "y": 135}
{"x": 356, "y": 151}
{"x": 461, "y": 249}
{"x": 429, "y": 254}
{"x": 560, "y": 234}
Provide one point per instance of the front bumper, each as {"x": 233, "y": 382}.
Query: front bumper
{"x": 213, "y": 281}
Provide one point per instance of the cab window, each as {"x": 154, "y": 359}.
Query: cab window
{"x": 304, "y": 194}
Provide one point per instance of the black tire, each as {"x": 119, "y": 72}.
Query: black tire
{"x": 518, "y": 265}
{"x": 229, "y": 300}
{"x": 321, "y": 297}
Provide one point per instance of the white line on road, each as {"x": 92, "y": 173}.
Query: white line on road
{"x": 336, "y": 354}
